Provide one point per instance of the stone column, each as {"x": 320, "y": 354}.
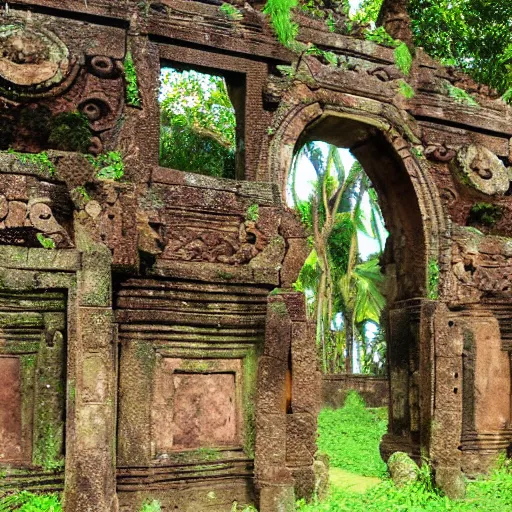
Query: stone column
{"x": 289, "y": 397}
{"x": 90, "y": 484}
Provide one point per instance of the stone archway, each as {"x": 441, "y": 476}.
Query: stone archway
{"x": 384, "y": 143}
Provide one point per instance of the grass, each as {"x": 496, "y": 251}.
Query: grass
{"x": 29, "y": 502}
{"x": 493, "y": 494}
{"x": 351, "y": 437}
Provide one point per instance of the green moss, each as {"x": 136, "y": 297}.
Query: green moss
{"x": 225, "y": 275}
{"x": 460, "y": 96}
{"x": 130, "y": 77}
{"x": 433, "y": 279}
{"x": 250, "y": 376}
{"x": 109, "y": 166}
{"x": 82, "y": 192}
{"x": 485, "y": 213}
{"x": 403, "y": 59}
{"x": 231, "y": 12}
{"x": 47, "y": 450}
{"x": 70, "y": 131}
{"x": 275, "y": 291}
{"x": 145, "y": 353}
{"x": 417, "y": 153}
{"x": 41, "y": 161}
{"x": 71, "y": 390}
{"x": 47, "y": 243}
{"x": 195, "y": 366}
{"x": 253, "y": 213}
{"x": 405, "y": 90}
{"x": 279, "y": 308}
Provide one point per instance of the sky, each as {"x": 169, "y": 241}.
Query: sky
{"x": 304, "y": 185}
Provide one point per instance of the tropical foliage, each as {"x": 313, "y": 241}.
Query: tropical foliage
{"x": 473, "y": 35}
{"x": 197, "y": 124}
{"x": 340, "y": 286}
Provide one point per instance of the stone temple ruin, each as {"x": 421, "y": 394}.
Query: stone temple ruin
{"x": 151, "y": 342}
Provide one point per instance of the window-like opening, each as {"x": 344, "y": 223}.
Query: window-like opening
{"x": 201, "y": 121}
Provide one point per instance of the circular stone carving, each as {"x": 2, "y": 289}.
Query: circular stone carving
{"x": 101, "y": 66}
{"x": 32, "y": 57}
{"x": 483, "y": 170}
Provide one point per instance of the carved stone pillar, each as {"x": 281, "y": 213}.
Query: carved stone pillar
{"x": 289, "y": 395}
{"x": 90, "y": 481}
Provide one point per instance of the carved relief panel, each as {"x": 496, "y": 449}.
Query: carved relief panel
{"x": 57, "y": 91}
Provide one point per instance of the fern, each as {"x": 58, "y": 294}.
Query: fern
{"x": 406, "y": 90}
{"x": 280, "y": 12}
{"x": 403, "y": 59}
{"x": 380, "y": 36}
{"x": 330, "y": 57}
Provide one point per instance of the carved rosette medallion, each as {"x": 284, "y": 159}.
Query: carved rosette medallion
{"x": 482, "y": 170}
{"x": 32, "y": 59}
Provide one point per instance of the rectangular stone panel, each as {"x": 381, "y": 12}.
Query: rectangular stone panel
{"x": 10, "y": 410}
{"x": 193, "y": 409}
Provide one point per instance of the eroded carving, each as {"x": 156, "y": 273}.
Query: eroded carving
{"x": 483, "y": 170}
{"x": 32, "y": 57}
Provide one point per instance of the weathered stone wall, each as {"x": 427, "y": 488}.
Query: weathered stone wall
{"x": 177, "y": 360}
{"x": 335, "y": 387}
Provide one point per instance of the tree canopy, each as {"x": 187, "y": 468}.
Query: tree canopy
{"x": 473, "y": 35}
{"x": 197, "y": 124}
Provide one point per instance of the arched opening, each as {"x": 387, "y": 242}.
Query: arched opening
{"x": 412, "y": 217}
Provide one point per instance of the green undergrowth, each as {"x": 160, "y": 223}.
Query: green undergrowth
{"x": 403, "y": 58}
{"x": 280, "y": 13}
{"x": 350, "y": 436}
{"x": 433, "y": 279}
{"x": 461, "y": 96}
{"x": 29, "y": 502}
{"x": 231, "y": 12}
{"x": 109, "y": 166}
{"x": 39, "y": 160}
{"x": 151, "y": 506}
{"x": 405, "y": 90}
{"x": 493, "y": 494}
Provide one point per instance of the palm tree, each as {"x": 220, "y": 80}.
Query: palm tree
{"x": 333, "y": 279}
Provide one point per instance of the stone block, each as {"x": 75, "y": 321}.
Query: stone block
{"x": 95, "y": 328}
{"x": 270, "y": 441}
{"x": 271, "y": 393}
{"x": 300, "y": 439}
